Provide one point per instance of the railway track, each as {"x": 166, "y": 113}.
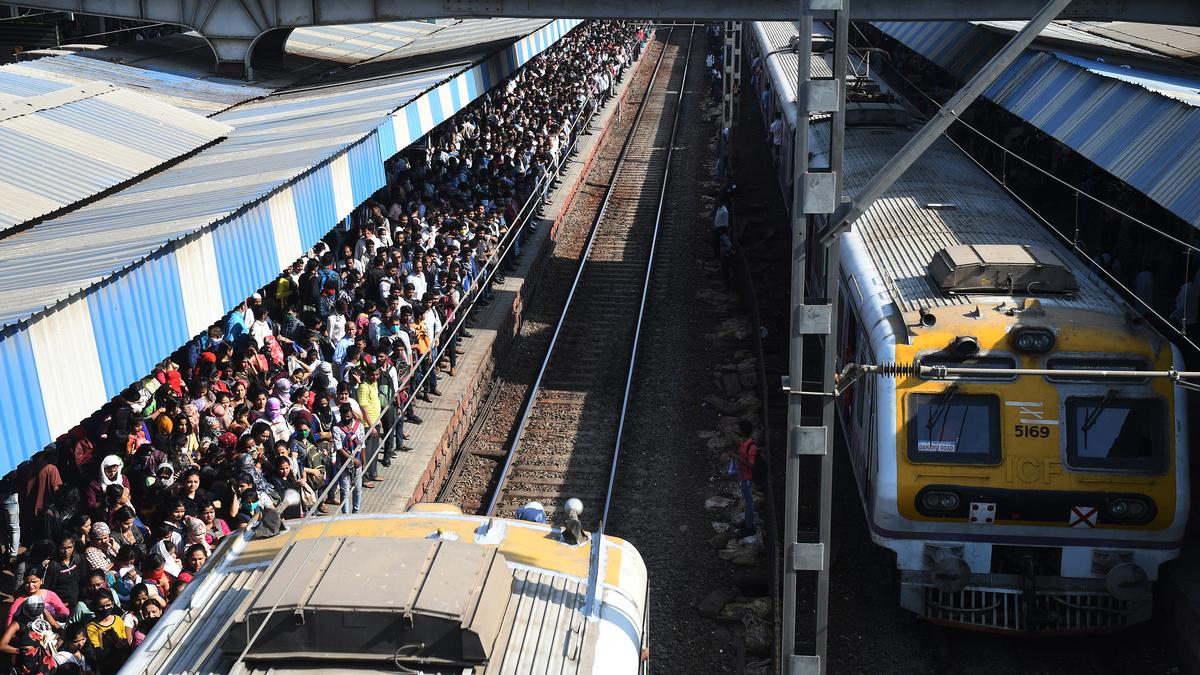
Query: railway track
{"x": 562, "y": 439}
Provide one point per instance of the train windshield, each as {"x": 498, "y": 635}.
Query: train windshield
{"x": 954, "y": 427}
{"x": 1110, "y": 432}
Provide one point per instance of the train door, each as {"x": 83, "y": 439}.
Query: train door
{"x": 854, "y": 404}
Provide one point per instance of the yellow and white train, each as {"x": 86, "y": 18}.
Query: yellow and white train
{"x": 431, "y": 591}
{"x": 1012, "y": 502}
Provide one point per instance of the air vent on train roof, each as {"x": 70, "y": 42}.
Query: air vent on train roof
{"x": 336, "y": 600}
{"x": 1009, "y": 269}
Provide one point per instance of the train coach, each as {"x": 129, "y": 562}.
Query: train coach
{"x": 431, "y": 590}
{"x": 1012, "y": 502}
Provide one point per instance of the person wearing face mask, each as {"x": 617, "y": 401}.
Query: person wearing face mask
{"x": 27, "y": 639}
{"x": 106, "y": 632}
{"x": 148, "y": 615}
{"x": 304, "y": 446}
{"x": 212, "y": 341}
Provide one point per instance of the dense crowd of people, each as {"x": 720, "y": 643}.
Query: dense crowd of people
{"x": 294, "y": 398}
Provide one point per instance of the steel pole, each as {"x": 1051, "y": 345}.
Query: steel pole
{"x": 920, "y": 142}
{"x": 791, "y": 515}
{"x": 837, "y": 139}
{"x": 828, "y": 410}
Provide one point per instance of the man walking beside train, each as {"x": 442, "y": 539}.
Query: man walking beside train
{"x": 745, "y": 456}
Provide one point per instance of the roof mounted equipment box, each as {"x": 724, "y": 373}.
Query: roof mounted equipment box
{"x": 1008, "y": 269}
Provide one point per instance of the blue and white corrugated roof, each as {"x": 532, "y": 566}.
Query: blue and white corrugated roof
{"x": 94, "y": 298}
{"x": 272, "y": 142}
{"x": 1139, "y": 125}
{"x": 68, "y": 145}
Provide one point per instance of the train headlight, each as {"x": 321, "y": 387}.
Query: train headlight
{"x": 1033, "y": 340}
{"x": 939, "y": 502}
{"x": 1130, "y": 510}
{"x": 1128, "y": 582}
{"x": 950, "y": 574}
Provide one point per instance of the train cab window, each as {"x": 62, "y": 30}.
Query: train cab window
{"x": 1108, "y": 432}
{"x": 1001, "y": 364}
{"x": 954, "y": 427}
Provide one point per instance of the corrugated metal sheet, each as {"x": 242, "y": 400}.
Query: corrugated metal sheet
{"x": 273, "y": 141}
{"x": 200, "y": 96}
{"x": 310, "y": 154}
{"x": 1181, "y": 42}
{"x": 1068, "y": 32}
{"x": 548, "y": 615}
{"x": 1135, "y": 131}
{"x": 1179, "y": 87}
{"x": 356, "y": 43}
{"x": 59, "y": 148}
{"x": 478, "y": 32}
{"x": 25, "y": 429}
{"x": 1150, "y": 142}
{"x": 957, "y": 46}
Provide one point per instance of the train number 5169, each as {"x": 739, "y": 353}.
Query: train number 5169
{"x": 1032, "y": 431}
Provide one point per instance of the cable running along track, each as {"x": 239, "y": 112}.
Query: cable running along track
{"x": 566, "y": 440}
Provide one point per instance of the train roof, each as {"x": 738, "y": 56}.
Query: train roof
{"x": 945, "y": 199}
{"x": 348, "y": 594}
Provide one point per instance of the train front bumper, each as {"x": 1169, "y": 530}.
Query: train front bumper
{"x": 1010, "y": 603}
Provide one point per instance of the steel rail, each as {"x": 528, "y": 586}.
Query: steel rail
{"x": 596, "y": 557}
{"x": 531, "y": 397}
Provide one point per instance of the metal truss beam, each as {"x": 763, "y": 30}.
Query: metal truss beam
{"x": 234, "y": 27}
{"x": 247, "y": 19}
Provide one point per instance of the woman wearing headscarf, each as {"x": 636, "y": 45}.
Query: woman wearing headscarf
{"x": 281, "y": 430}
{"x": 197, "y": 535}
{"x": 28, "y": 638}
{"x": 102, "y": 539}
{"x": 110, "y": 474}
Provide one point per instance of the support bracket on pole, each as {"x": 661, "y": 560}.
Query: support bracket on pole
{"x": 813, "y": 319}
{"x": 803, "y": 665}
{"x": 808, "y": 557}
{"x": 809, "y": 440}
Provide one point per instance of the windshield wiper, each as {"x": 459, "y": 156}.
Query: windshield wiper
{"x": 1094, "y": 416}
{"x": 942, "y": 404}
